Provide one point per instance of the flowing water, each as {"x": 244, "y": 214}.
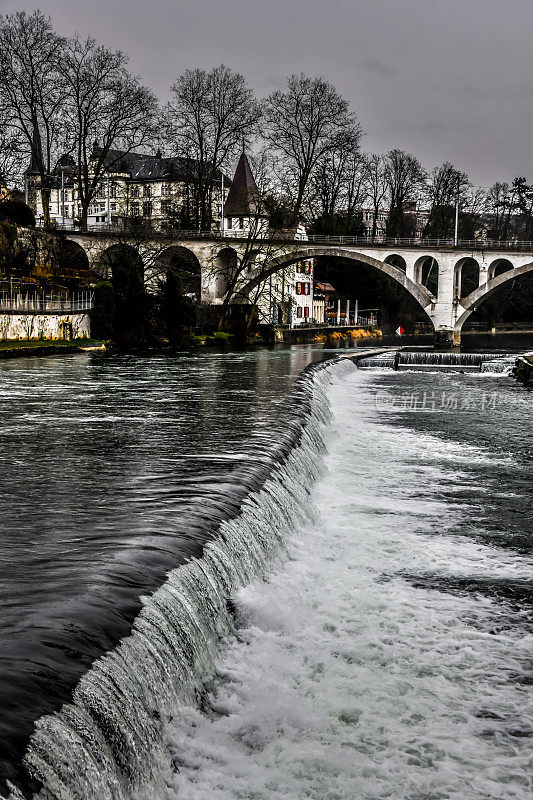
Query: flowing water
{"x": 341, "y": 605}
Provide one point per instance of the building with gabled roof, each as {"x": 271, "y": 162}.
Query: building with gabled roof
{"x": 156, "y": 188}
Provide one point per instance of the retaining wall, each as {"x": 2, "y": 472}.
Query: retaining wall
{"x": 44, "y": 326}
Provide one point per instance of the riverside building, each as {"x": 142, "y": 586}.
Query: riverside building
{"x": 157, "y": 189}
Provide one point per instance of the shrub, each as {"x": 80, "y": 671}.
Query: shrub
{"x": 17, "y": 213}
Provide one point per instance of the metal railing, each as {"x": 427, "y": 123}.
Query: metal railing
{"x": 274, "y": 236}
{"x": 46, "y": 304}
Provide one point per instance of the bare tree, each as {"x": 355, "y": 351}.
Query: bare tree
{"x": 446, "y": 185}
{"x": 13, "y": 155}
{"x": 405, "y": 179}
{"x": 106, "y": 105}
{"x": 337, "y": 185}
{"x": 30, "y": 92}
{"x": 305, "y": 125}
{"x": 376, "y": 187}
{"x": 210, "y": 116}
{"x": 498, "y": 208}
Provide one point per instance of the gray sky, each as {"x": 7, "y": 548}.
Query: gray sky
{"x": 443, "y": 79}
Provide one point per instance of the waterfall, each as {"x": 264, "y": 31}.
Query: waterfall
{"x": 428, "y": 361}
{"x": 382, "y": 361}
{"x": 462, "y": 360}
{"x": 106, "y": 743}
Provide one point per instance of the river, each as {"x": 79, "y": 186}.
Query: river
{"x": 354, "y": 621}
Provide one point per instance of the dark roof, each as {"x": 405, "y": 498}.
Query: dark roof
{"x": 243, "y": 198}
{"x": 146, "y": 167}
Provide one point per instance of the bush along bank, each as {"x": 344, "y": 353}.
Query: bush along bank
{"x": 523, "y": 369}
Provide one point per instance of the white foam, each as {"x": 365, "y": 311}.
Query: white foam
{"x": 340, "y": 685}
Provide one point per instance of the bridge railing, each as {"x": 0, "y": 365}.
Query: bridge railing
{"x": 367, "y": 241}
{"x": 46, "y": 304}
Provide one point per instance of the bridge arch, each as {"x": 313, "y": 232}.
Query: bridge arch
{"x": 426, "y": 273}
{"x": 420, "y": 293}
{"x": 498, "y": 267}
{"x": 226, "y": 261}
{"x": 119, "y": 255}
{"x": 181, "y": 267}
{"x": 485, "y": 290}
{"x": 466, "y": 277}
{"x": 396, "y": 261}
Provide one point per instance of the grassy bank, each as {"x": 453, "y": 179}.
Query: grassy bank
{"x": 44, "y": 347}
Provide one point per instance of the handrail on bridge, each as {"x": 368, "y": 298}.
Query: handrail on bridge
{"x": 367, "y": 241}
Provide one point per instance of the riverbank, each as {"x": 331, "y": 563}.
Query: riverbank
{"x": 47, "y": 347}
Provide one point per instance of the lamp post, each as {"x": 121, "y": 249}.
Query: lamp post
{"x": 62, "y": 197}
{"x": 108, "y": 214}
{"x": 456, "y": 231}
{"x": 222, "y": 205}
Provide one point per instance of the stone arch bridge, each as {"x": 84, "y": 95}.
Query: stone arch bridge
{"x": 448, "y": 281}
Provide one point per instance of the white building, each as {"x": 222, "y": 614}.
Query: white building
{"x": 134, "y": 185}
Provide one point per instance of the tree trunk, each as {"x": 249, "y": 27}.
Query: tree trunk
{"x": 45, "y": 202}
{"x": 83, "y": 218}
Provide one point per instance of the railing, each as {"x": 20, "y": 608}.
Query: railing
{"x": 273, "y": 236}
{"x": 46, "y": 304}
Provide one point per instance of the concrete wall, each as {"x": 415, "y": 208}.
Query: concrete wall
{"x": 44, "y": 326}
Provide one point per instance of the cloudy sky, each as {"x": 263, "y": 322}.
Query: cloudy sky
{"x": 444, "y": 79}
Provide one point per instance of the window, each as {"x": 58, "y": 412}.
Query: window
{"x": 147, "y": 191}
{"x": 113, "y": 206}
{"x": 135, "y": 209}
{"x": 306, "y": 312}
{"x": 166, "y": 206}
{"x": 241, "y": 223}
{"x": 147, "y": 209}
{"x": 165, "y": 190}
{"x": 230, "y": 223}
{"x": 298, "y": 287}
{"x": 113, "y": 190}
{"x": 299, "y": 311}
{"x": 135, "y": 191}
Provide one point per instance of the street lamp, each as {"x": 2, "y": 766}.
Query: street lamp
{"x": 456, "y": 232}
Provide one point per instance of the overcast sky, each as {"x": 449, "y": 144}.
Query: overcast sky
{"x": 443, "y": 79}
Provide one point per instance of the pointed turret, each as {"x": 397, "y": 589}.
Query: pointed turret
{"x": 243, "y": 209}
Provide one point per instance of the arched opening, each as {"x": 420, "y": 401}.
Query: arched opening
{"x": 73, "y": 258}
{"x": 362, "y": 287}
{"x": 354, "y": 262}
{"x": 179, "y": 267}
{"x": 498, "y": 267}
{"x": 504, "y": 302}
{"x": 130, "y": 307}
{"x": 466, "y": 277}
{"x": 427, "y": 273}
{"x": 397, "y": 261}
{"x": 225, "y": 267}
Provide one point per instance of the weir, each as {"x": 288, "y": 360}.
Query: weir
{"x": 109, "y": 741}
{"x": 428, "y": 361}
